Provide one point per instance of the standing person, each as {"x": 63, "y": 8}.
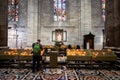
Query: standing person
{"x": 37, "y": 47}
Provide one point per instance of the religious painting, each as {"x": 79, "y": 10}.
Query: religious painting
{"x": 59, "y": 35}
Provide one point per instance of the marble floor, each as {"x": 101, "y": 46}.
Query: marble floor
{"x": 59, "y": 74}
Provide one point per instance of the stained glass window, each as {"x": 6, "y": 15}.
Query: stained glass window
{"x": 103, "y": 9}
{"x": 59, "y": 10}
{"x": 13, "y": 10}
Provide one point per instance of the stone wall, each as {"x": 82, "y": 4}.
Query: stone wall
{"x": 79, "y": 21}
{"x": 83, "y": 16}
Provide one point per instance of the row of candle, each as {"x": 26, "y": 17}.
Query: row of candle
{"x": 24, "y": 52}
{"x": 82, "y": 52}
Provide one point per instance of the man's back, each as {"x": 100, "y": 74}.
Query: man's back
{"x": 36, "y": 48}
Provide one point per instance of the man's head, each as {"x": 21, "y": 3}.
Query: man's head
{"x": 38, "y": 40}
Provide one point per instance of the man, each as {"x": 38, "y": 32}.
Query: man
{"x": 37, "y": 47}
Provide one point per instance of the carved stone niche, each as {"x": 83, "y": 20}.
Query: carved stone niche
{"x": 89, "y": 41}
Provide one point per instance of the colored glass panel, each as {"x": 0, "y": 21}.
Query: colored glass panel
{"x": 103, "y": 9}
{"x": 13, "y": 10}
{"x": 59, "y": 10}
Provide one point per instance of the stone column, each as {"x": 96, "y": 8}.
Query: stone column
{"x": 32, "y": 24}
{"x": 112, "y": 29}
{"x": 73, "y": 21}
{"x": 45, "y": 19}
{"x": 109, "y": 30}
{"x": 85, "y": 17}
{"x": 3, "y": 22}
{"x": 117, "y": 23}
{"x": 79, "y": 22}
{"x": 97, "y": 23}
